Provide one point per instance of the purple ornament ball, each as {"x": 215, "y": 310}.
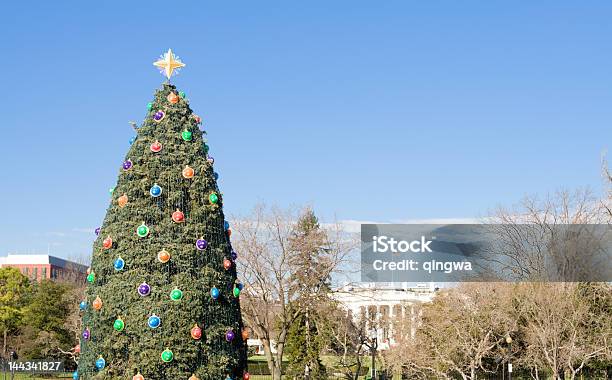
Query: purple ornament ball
{"x": 127, "y": 165}
{"x": 97, "y": 231}
{"x": 158, "y": 115}
{"x": 234, "y": 256}
{"x": 201, "y": 244}
{"x": 144, "y": 289}
{"x": 229, "y": 336}
{"x": 86, "y": 334}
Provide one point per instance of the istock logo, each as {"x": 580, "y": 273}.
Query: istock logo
{"x": 384, "y": 244}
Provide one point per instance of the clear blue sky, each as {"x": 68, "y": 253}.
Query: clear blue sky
{"x": 377, "y": 111}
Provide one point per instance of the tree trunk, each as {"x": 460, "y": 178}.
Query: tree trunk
{"x": 307, "y": 368}
{"x": 277, "y": 373}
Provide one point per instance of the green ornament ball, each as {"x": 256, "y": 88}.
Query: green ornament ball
{"x": 111, "y": 190}
{"x": 205, "y": 148}
{"x": 119, "y": 325}
{"x": 142, "y": 230}
{"x": 176, "y": 295}
{"x": 167, "y": 356}
{"x": 91, "y": 277}
{"x": 213, "y": 198}
{"x": 236, "y": 292}
{"x": 149, "y": 106}
{"x": 187, "y": 135}
{"x": 182, "y": 94}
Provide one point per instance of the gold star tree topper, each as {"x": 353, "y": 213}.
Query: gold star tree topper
{"x": 168, "y": 62}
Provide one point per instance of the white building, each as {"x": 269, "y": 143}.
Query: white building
{"x": 384, "y": 306}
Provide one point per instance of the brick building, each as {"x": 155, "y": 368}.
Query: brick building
{"x": 46, "y": 267}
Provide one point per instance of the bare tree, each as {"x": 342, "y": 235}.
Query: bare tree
{"x": 349, "y": 341}
{"x": 456, "y": 334}
{"x": 606, "y": 202}
{"x": 74, "y": 322}
{"x": 266, "y": 243}
{"x": 551, "y": 239}
{"x": 564, "y": 329}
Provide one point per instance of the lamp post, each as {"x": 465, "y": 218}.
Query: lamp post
{"x": 373, "y": 348}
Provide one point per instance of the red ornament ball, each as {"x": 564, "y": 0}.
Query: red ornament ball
{"x": 246, "y": 376}
{"x": 107, "y": 243}
{"x": 156, "y": 147}
{"x": 196, "y": 332}
{"x": 227, "y": 264}
{"x": 178, "y": 216}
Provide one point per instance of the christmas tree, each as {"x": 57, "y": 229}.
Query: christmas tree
{"x": 162, "y": 300}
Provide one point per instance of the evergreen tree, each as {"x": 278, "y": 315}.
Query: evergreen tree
{"x": 163, "y": 297}
{"x": 306, "y": 339}
{"x": 310, "y": 287}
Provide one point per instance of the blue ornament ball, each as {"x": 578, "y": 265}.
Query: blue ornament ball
{"x": 83, "y": 305}
{"x": 153, "y": 321}
{"x": 226, "y": 225}
{"x": 240, "y": 286}
{"x": 234, "y": 256}
{"x": 119, "y": 263}
{"x": 132, "y": 140}
{"x": 155, "y": 191}
{"x": 75, "y": 375}
{"x": 216, "y": 175}
{"x": 215, "y": 293}
{"x": 100, "y": 363}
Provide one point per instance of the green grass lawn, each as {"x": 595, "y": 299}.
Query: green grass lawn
{"x": 257, "y": 367}
{"x": 25, "y": 376}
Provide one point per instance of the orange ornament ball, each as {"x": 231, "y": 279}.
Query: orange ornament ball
{"x": 138, "y": 376}
{"x": 122, "y": 200}
{"x": 163, "y": 256}
{"x": 227, "y": 264}
{"x": 97, "y": 303}
{"x": 178, "y": 216}
{"x": 245, "y": 334}
{"x": 107, "y": 243}
{"x": 193, "y": 377}
{"x": 173, "y": 98}
{"x": 188, "y": 172}
{"x": 229, "y": 232}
